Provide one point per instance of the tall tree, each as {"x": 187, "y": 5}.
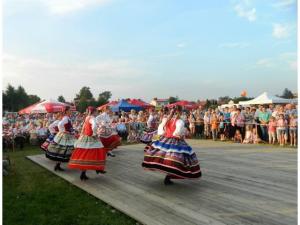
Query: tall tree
{"x": 287, "y": 93}
{"x": 103, "y": 98}
{"x": 32, "y": 99}
{"x": 84, "y": 99}
{"x": 21, "y": 98}
{"x": 61, "y": 99}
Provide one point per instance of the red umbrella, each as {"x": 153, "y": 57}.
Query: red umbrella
{"x": 102, "y": 107}
{"x": 140, "y": 103}
{"x": 28, "y": 109}
{"x": 50, "y": 106}
{"x": 185, "y": 104}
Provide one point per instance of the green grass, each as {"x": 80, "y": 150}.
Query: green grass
{"x": 35, "y": 196}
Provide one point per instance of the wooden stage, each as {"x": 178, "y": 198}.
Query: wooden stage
{"x": 241, "y": 184}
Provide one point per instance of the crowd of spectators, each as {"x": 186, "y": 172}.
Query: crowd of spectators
{"x": 273, "y": 124}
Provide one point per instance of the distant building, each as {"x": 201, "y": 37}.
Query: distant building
{"x": 158, "y": 103}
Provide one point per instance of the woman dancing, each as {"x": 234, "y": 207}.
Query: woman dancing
{"x": 63, "y": 143}
{"x": 171, "y": 154}
{"x": 53, "y": 129}
{"x": 89, "y": 153}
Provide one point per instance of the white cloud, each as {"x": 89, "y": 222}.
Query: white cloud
{"x": 234, "y": 45}
{"x": 266, "y": 62}
{"x": 66, "y": 6}
{"x": 284, "y": 3}
{"x": 281, "y": 31}
{"x": 244, "y": 9}
{"x": 50, "y": 79}
{"x": 181, "y": 45}
{"x": 57, "y": 7}
{"x": 286, "y": 60}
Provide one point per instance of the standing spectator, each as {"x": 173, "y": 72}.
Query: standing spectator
{"x": 249, "y": 118}
{"x": 222, "y": 127}
{"x": 281, "y": 125}
{"x": 240, "y": 122}
{"x": 263, "y": 118}
{"x": 206, "y": 124}
{"x": 293, "y": 129}
{"x": 272, "y": 130}
{"x": 192, "y": 121}
{"x": 214, "y": 125}
{"x": 232, "y": 127}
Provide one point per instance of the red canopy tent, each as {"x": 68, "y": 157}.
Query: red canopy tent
{"x": 102, "y": 107}
{"x": 185, "y": 104}
{"x": 46, "y": 106}
{"x": 141, "y": 103}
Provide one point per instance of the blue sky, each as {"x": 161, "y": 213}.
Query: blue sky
{"x": 159, "y": 48}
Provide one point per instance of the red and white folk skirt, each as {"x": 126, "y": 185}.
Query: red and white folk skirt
{"x": 111, "y": 141}
{"x": 89, "y": 154}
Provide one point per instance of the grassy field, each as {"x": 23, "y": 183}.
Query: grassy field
{"x": 32, "y": 195}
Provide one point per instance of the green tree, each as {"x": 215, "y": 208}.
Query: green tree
{"x": 61, "y": 99}
{"x": 32, "y": 99}
{"x": 84, "y": 99}
{"x": 287, "y": 93}
{"x": 173, "y": 99}
{"x": 103, "y": 98}
{"x": 21, "y": 99}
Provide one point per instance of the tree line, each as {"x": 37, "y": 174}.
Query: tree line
{"x": 15, "y": 99}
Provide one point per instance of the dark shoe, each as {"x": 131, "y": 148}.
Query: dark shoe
{"x": 58, "y": 168}
{"x": 168, "y": 181}
{"x": 100, "y": 171}
{"x": 83, "y": 176}
{"x": 111, "y": 154}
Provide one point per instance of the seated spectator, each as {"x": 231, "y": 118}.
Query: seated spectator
{"x": 238, "y": 137}
{"x": 249, "y": 135}
{"x": 256, "y": 138}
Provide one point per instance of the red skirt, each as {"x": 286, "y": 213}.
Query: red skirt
{"x": 111, "y": 142}
{"x": 88, "y": 159}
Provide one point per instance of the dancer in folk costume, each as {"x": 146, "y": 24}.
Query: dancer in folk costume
{"x": 89, "y": 153}
{"x": 108, "y": 136}
{"x": 171, "y": 154}
{"x": 151, "y": 128}
{"x": 63, "y": 143}
{"x": 53, "y": 129}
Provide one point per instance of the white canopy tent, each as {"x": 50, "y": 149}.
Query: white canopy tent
{"x": 229, "y": 105}
{"x": 266, "y": 98}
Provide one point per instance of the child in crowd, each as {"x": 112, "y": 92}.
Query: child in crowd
{"x": 214, "y": 125}
{"x": 248, "y": 136}
{"x": 238, "y": 137}
{"x": 293, "y": 129}
{"x": 281, "y": 126}
{"x": 255, "y": 136}
{"x": 272, "y": 130}
{"x": 222, "y": 127}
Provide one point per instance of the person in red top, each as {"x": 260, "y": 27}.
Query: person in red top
{"x": 89, "y": 152}
{"x": 170, "y": 153}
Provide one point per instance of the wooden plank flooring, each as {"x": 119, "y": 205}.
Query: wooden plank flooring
{"x": 241, "y": 184}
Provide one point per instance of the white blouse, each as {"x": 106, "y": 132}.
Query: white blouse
{"x": 61, "y": 124}
{"x": 52, "y": 126}
{"x": 180, "y": 129}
